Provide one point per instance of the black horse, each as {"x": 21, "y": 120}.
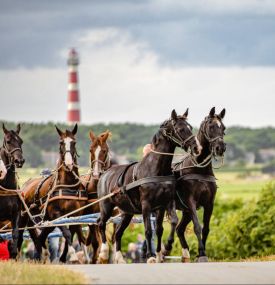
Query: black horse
{"x": 148, "y": 197}
{"x": 12, "y": 156}
{"x": 196, "y": 186}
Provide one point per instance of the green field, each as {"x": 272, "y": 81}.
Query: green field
{"x": 231, "y": 184}
{"x": 234, "y": 185}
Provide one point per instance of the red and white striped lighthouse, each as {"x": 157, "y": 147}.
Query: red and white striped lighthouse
{"x": 73, "y": 93}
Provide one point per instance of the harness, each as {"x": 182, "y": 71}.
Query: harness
{"x": 124, "y": 189}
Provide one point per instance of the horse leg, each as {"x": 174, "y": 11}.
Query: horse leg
{"x": 106, "y": 209}
{"x": 181, "y": 227}
{"x": 82, "y": 242}
{"x": 172, "y": 213}
{"x": 63, "y": 256}
{"x": 198, "y": 231}
{"x": 206, "y": 221}
{"x": 42, "y": 239}
{"x": 23, "y": 220}
{"x": 159, "y": 231}
{"x": 146, "y": 213}
{"x": 68, "y": 238}
{"x": 15, "y": 234}
{"x": 95, "y": 240}
{"x": 125, "y": 221}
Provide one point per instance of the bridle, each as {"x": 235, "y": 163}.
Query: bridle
{"x": 105, "y": 163}
{"x": 74, "y": 156}
{"x": 208, "y": 159}
{"x": 206, "y": 134}
{"x": 178, "y": 140}
{"x": 9, "y": 153}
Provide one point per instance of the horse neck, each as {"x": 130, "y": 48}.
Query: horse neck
{"x": 160, "y": 164}
{"x": 66, "y": 177}
{"x": 10, "y": 181}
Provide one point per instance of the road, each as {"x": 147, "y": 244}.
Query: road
{"x": 179, "y": 273}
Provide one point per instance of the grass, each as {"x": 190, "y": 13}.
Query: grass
{"x": 233, "y": 185}
{"x": 30, "y": 273}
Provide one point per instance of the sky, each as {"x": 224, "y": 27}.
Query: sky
{"x": 139, "y": 60}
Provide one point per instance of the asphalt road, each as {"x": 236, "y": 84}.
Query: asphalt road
{"x": 179, "y": 273}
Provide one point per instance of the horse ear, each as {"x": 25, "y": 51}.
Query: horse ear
{"x": 174, "y": 115}
{"x": 59, "y": 131}
{"x": 186, "y": 113}
{"x": 212, "y": 112}
{"x": 92, "y": 135}
{"x": 18, "y": 129}
{"x": 222, "y": 114}
{"x": 105, "y": 136}
{"x": 74, "y": 131}
{"x": 4, "y": 128}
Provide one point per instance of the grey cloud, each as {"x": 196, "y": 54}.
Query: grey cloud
{"x": 34, "y": 32}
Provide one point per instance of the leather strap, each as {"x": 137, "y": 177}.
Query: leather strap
{"x": 199, "y": 177}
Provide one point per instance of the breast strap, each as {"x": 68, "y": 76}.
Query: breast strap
{"x": 199, "y": 177}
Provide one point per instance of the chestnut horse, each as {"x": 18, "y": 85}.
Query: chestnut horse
{"x": 146, "y": 198}
{"x": 196, "y": 186}
{"x": 58, "y": 194}
{"x": 11, "y": 155}
{"x": 100, "y": 162}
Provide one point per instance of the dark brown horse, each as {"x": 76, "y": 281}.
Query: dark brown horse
{"x": 148, "y": 197}
{"x": 196, "y": 186}
{"x": 100, "y": 162}
{"x": 11, "y": 156}
{"x": 60, "y": 193}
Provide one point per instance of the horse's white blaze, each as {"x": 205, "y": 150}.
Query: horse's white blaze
{"x": 218, "y": 122}
{"x": 96, "y": 169}
{"x": 198, "y": 144}
{"x": 68, "y": 155}
{"x": 3, "y": 170}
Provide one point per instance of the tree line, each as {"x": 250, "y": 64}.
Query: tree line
{"x": 128, "y": 140}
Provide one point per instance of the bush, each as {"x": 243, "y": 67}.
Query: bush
{"x": 247, "y": 232}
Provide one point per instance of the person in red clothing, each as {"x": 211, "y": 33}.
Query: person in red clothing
{"x": 4, "y": 250}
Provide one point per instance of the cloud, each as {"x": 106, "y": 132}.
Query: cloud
{"x": 181, "y": 33}
{"x": 121, "y": 79}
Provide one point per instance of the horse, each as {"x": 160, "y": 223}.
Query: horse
{"x": 145, "y": 198}
{"x": 196, "y": 185}
{"x": 99, "y": 162}
{"x": 57, "y": 194}
{"x": 11, "y": 155}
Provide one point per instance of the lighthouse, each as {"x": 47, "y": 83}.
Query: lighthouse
{"x": 73, "y": 115}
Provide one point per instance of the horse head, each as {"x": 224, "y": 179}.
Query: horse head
{"x": 212, "y": 128}
{"x": 179, "y": 131}
{"x": 67, "y": 147}
{"x": 12, "y": 146}
{"x": 99, "y": 153}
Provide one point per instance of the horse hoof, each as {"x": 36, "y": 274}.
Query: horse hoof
{"x": 73, "y": 258}
{"x": 160, "y": 258}
{"x": 102, "y": 261}
{"x": 119, "y": 258}
{"x": 202, "y": 259}
{"x": 45, "y": 255}
{"x": 166, "y": 252}
{"x": 185, "y": 260}
{"x": 151, "y": 260}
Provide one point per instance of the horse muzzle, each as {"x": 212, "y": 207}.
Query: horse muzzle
{"x": 19, "y": 162}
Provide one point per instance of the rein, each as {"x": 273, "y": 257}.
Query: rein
{"x": 208, "y": 159}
